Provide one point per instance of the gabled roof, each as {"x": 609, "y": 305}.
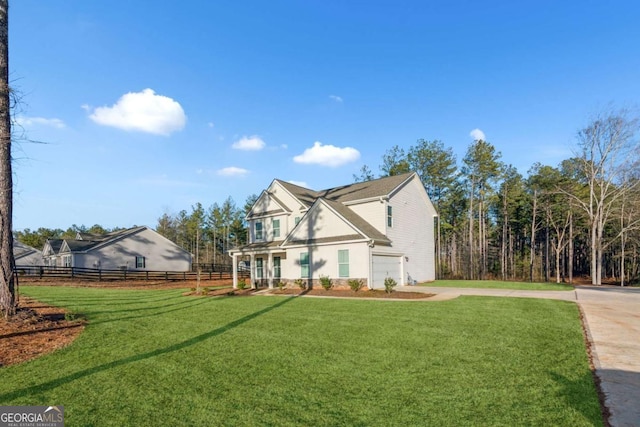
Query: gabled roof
{"x": 90, "y": 241}
{"x": 348, "y": 193}
{"x": 21, "y": 250}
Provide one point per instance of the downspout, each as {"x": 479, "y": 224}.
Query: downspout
{"x": 371, "y": 244}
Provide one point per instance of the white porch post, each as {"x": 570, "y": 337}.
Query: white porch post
{"x": 235, "y": 271}
{"x": 270, "y": 270}
{"x": 252, "y": 274}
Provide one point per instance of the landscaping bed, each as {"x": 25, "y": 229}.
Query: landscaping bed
{"x": 348, "y": 293}
{"x": 36, "y": 329}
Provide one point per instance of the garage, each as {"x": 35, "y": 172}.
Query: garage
{"x": 386, "y": 266}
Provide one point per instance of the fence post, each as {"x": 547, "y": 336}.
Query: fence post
{"x": 166, "y": 275}
{"x": 72, "y": 275}
{"x": 99, "y": 275}
{"x": 124, "y": 272}
{"x": 147, "y": 275}
{"x": 184, "y": 275}
{"x": 41, "y": 272}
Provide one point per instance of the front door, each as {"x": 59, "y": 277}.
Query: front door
{"x": 276, "y": 267}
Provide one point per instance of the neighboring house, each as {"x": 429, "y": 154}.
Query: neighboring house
{"x": 26, "y": 255}
{"x": 138, "y": 248}
{"x": 369, "y": 230}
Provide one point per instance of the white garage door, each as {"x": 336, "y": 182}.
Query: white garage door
{"x": 385, "y": 266}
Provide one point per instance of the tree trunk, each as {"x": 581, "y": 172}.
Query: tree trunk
{"x": 533, "y": 235}
{"x": 7, "y": 262}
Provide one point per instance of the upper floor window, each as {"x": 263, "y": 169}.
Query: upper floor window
{"x": 140, "y": 262}
{"x": 389, "y": 216}
{"x": 276, "y": 227}
{"x": 296, "y": 220}
{"x": 258, "y": 230}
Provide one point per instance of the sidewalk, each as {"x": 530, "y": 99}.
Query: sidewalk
{"x": 612, "y": 317}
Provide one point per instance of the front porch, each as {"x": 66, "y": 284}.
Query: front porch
{"x": 265, "y": 266}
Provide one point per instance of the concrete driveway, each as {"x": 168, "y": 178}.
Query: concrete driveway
{"x": 612, "y": 317}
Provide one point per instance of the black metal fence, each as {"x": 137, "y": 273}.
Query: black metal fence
{"x": 47, "y": 272}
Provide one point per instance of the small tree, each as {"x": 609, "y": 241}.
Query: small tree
{"x": 389, "y": 284}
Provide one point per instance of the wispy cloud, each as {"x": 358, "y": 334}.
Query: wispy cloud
{"x": 249, "y": 143}
{"x": 232, "y": 171}
{"x": 327, "y": 155}
{"x": 336, "y": 98}
{"x": 299, "y": 183}
{"x": 477, "y": 135}
{"x": 40, "y": 121}
{"x": 142, "y": 111}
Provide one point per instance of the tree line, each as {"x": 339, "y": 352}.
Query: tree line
{"x": 579, "y": 218}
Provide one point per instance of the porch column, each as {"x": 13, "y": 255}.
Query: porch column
{"x": 235, "y": 271}
{"x": 270, "y": 270}
{"x": 252, "y": 269}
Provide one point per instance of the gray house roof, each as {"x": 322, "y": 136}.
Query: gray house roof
{"x": 348, "y": 193}
{"x": 85, "y": 241}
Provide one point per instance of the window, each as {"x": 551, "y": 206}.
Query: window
{"x": 259, "y": 265}
{"x": 140, "y": 262}
{"x": 67, "y": 260}
{"x": 258, "y": 230}
{"x": 304, "y": 264}
{"x": 296, "y": 220}
{"x": 275, "y": 224}
{"x": 343, "y": 263}
{"x": 389, "y": 216}
{"x": 276, "y": 267}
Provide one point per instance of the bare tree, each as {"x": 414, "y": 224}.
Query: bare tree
{"x": 608, "y": 150}
{"x": 7, "y": 262}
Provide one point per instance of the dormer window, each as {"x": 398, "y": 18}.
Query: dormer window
{"x": 389, "y": 216}
{"x": 258, "y": 230}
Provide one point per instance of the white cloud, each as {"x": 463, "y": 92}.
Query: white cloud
{"x": 477, "y": 135}
{"x": 35, "y": 121}
{"x": 232, "y": 171}
{"x": 249, "y": 143}
{"x": 327, "y": 155}
{"x": 211, "y": 124}
{"x": 336, "y": 98}
{"x": 142, "y": 111}
{"x": 299, "y": 183}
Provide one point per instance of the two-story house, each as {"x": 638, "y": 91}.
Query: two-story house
{"x": 369, "y": 230}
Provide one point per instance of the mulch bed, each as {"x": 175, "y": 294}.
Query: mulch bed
{"x": 36, "y": 329}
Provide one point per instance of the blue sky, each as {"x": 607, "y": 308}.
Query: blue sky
{"x": 149, "y": 107}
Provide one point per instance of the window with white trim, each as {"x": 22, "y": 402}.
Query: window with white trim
{"x": 258, "y": 230}
{"x": 140, "y": 262}
{"x": 296, "y": 220}
{"x": 66, "y": 260}
{"x": 275, "y": 226}
{"x": 389, "y": 216}
{"x": 304, "y": 265}
{"x": 259, "y": 268}
{"x": 343, "y": 263}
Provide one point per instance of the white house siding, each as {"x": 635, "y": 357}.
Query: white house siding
{"x": 373, "y": 212}
{"x": 267, "y": 227}
{"x": 412, "y": 233}
{"x": 324, "y": 261}
{"x": 321, "y": 222}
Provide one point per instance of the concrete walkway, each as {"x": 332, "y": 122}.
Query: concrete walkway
{"x": 612, "y": 317}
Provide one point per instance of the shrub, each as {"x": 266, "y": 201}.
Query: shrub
{"x": 280, "y": 284}
{"x": 326, "y": 282}
{"x": 301, "y": 284}
{"x": 242, "y": 284}
{"x": 356, "y": 284}
{"x": 389, "y": 284}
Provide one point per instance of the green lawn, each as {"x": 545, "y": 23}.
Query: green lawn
{"x": 151, "y": 358}
{"x": 496, "y": 284}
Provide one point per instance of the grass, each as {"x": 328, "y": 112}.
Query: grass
{"x": 496, "y": 284}
{"x": 158, "y": 358}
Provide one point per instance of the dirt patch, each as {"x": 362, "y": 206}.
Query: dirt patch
{"x": 36, "y": 329}
{"x": 348, "y": 293}
{"x": 127, "y": 284}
